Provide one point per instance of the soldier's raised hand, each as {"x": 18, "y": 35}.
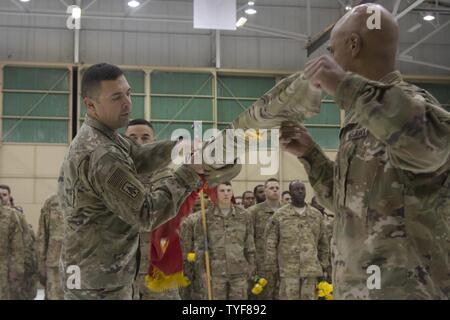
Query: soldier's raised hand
{"x": 295, "y": 139}
{"x": 324, "y": 73}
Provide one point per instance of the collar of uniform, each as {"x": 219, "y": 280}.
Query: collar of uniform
{"x": 268, "y": 208}
{"x": 293, "y": 212}
{"x": 390, "y": 78}
{"x": 218, "y": 212}
{"x": 101, "y": 127}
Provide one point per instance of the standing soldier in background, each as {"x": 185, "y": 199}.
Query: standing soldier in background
{"x": 231, "y": 247}
{"x": 260, "y": 214}
{"x": 49, "y": 242}
{"x": 297, "y": 248}
{"x": 286, "y": 198}
{"x": 187, "y": 237}
{"x": 389, "y": 186}
{"x": 26, "y": 288}
{"x": 12, "y": 253}
{"x": 248, "y": 199}
{"x": 142, "y": 132}
{"x": 259, "y": 193}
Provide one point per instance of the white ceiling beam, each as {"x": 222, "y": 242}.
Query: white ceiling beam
{"x": 396, "y": 6}
{"x": 412, "y": 6}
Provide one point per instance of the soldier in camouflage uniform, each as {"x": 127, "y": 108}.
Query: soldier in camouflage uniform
{"x": 26, "y": 288}
{"x": 231, "y": 247}
{"x": 297, "y": 248}
{"x": 260, "y": 214}
{"x": 142, "y": 132}
{"x": 390, "y": 184}
{"x": 49, "y": 242}
{"x": 194, "y": 290}
{"x": 104, "y": 203}
{"x": 12, "y": 253}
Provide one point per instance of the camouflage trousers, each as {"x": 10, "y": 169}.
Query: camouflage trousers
{"x": 229, "y": 287}
{"x": 141, "y": 292}
{"x": 298, "y": 289}
{"x": 119, "y": 293}
{"x": 54, "y": 289}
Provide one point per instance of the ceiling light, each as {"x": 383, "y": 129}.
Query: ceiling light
{"x": 251, "y": 3}
{"x": 348, "y": 8}
{"x": 24, "y": 0}
{"x": 134, "y": 3}
{"x": 429, "y": 17}
{"x": 76, "y": 12}
{"x": 250, "y": 11}
{"x": 241, "y": 22}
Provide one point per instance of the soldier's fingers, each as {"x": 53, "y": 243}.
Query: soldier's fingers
{"x": 310, "y": 68}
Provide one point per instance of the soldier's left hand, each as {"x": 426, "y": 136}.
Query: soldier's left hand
{"x": 324, "y": 73}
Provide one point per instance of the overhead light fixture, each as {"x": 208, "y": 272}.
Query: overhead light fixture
{"x": 348, "y": 8}
{"x": 428, "y": 17}
{"x": 24, "y": 0}
{"x": 241, "y": 22}
{"x": 76, "y": 12}
{"x": 134, "y": 3}
{"x": 250, "y": 8}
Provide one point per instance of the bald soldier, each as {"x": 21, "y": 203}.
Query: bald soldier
{"x": 260, "y": 214}
{"x": 49, "y": 242}
{"x": 104, "y": 203}
{"x": 389, "y": 186}
{"x": 297, "y": 248}
{"x": 142, "y": 132}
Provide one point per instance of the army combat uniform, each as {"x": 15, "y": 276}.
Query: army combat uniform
{"x": 187, "y": 237}
{"x": 389, "y": 189}
{"x": 260, "y": 214}
{"x": 231, "y": 252}
{"x": 105, "y": 206}
{"x": 297, "y": 249}
{"x": 49, "y": 242}
{"x": 12, "y": 254}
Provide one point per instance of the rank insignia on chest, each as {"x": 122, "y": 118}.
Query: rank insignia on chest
{"x": 130, "y": 190}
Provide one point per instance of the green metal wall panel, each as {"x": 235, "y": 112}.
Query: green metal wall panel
{"x": 35, "y": 131}
{"x": 181, "y": 83}
{"x": 35, "y": 104}
{"x": 176, "y": 108}
{"x": 36, "y": 78}
{"x": 244, "y": 86}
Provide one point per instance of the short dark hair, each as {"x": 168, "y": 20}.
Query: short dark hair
{"x": 4, "y": 186}
{"x": 238, "y": 197}
{"x": 95, "y": 74}
{"x": 270, "y": 180}
{"x": 255, "y": 188}
{"x": 285, "y": 192}
{"x": 137, "y": 122}
{"x": 245, "y": 192}
{"x": 227, "y": 183}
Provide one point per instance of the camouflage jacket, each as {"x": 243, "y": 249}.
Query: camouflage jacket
{"x": 12, "y": 254}
{"x": 389, "y": 189}
{"x": 297, "y": 245}
{"x": 50, "y": 236}
{"x": 187, "y": 238}
{"x": 230, "y": 242}
{"x": 105, "y": 205}
{"x": 260, "y": 214}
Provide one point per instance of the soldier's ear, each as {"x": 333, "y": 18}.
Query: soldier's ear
{"x": 89, "y": 103}
{"x": 355, "y": 44}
